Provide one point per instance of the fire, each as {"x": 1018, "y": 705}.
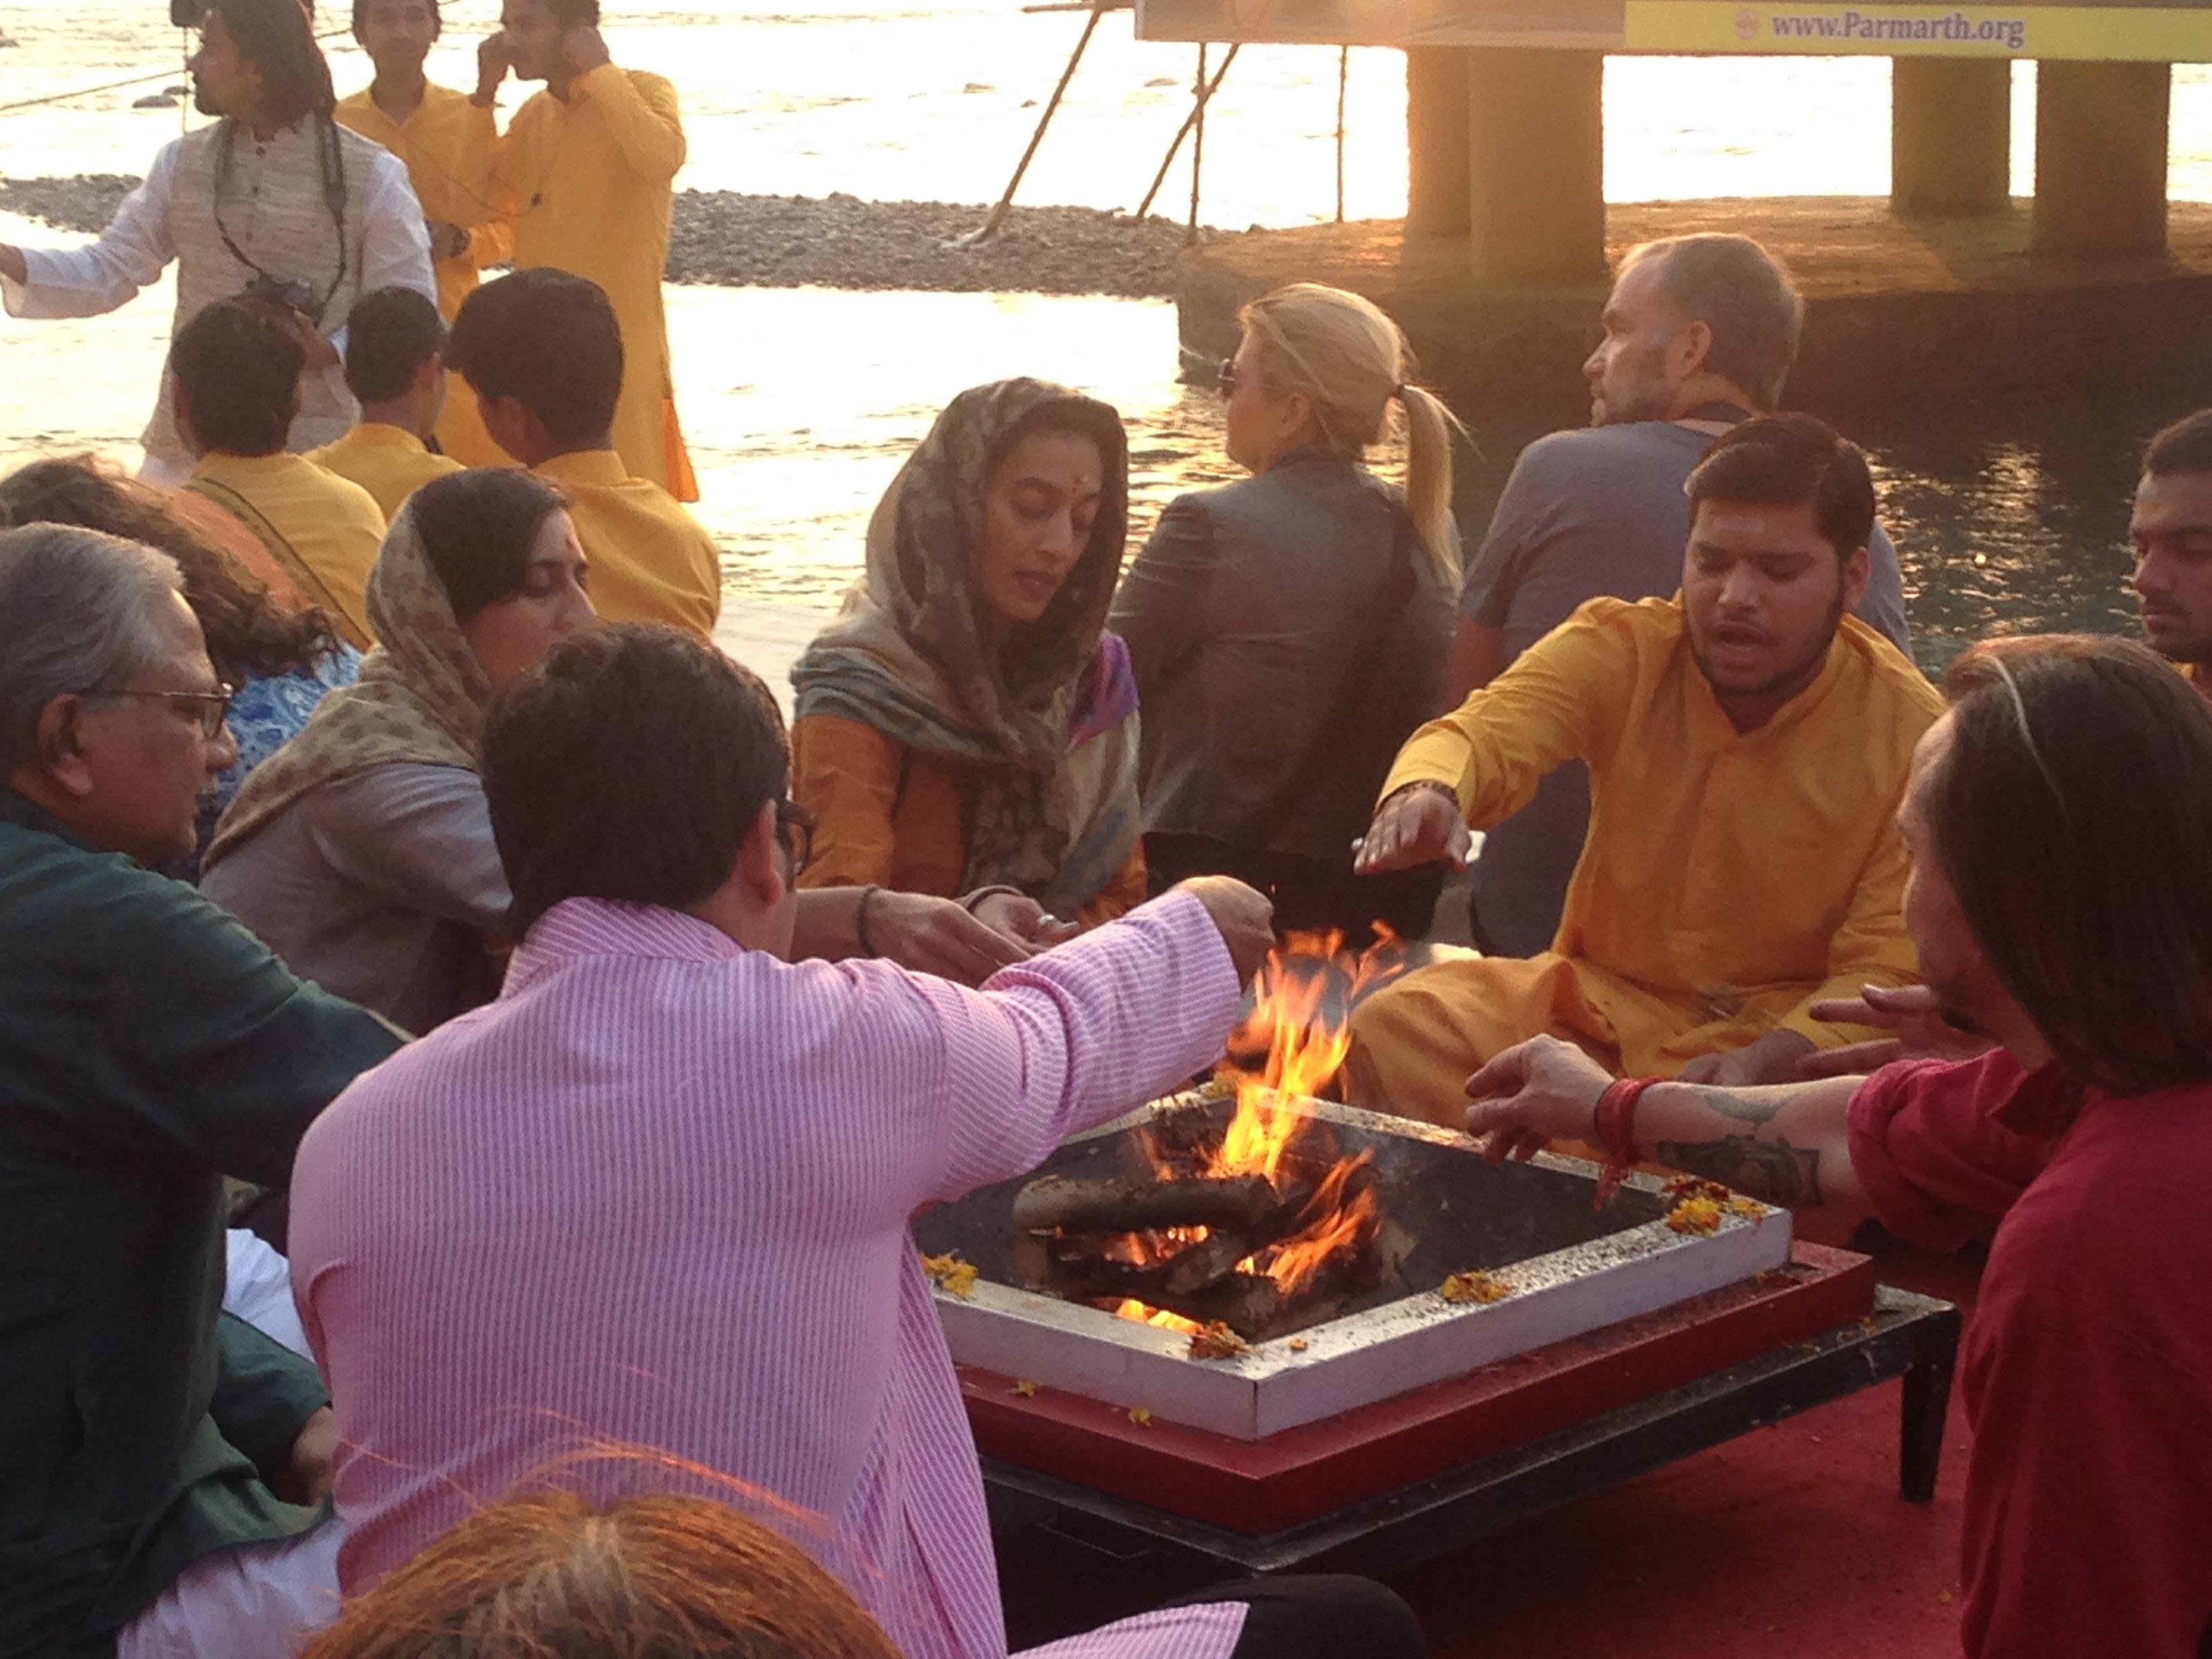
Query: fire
{"x": 1298, "y": 1033}
{"x": 1130, "y": 1307}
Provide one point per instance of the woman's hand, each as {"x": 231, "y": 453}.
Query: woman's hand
{"x": 1022, "y": 920}
{"x": 1910, "y": 1011}
{"x": 1421, "y": 824}
{"x": 1535, "y": 1093}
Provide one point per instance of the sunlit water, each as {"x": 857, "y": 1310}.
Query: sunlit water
{"x": 798, "y": 404}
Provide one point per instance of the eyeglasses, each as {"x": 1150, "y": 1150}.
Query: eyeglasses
{"x": 1225, "y": 377}
{"x": 211, "y": 707}
{"x": 794, "y": 828}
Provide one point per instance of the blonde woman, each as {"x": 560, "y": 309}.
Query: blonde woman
{"x": 1289, "y": 630}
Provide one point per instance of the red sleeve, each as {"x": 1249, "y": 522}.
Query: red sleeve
{"x": 1929, "y": 1147}
{"x": 2087, "y": 1528}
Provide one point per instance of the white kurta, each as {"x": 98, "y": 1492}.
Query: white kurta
{"x": 272, "y": 205}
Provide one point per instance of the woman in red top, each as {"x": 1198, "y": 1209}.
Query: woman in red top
{"x": 2060, "y": 821}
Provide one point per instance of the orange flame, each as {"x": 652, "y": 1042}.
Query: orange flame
{"x": 1130, "y": 1307}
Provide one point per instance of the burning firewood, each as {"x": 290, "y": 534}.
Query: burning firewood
{"x": 1144, "y": 1203}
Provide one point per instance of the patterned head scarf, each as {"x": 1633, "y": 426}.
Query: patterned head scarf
{"x": 420, "y": 698}
{"x": 1049, "y": 801}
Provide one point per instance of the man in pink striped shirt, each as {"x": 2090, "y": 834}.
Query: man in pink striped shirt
{"x": 656, "y": 1194}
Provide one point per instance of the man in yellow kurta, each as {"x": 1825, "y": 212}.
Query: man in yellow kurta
{"x": 447, "y": 142}
{"x": 235, "y": 384}
{"x": 541, "y": 352}
{"x": 1748, "y": 744}
{"x": 395, "y": 368}
{"x": 586, "y": 172}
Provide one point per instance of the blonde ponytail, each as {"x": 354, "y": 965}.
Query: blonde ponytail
{"x": 1346, "y": 355}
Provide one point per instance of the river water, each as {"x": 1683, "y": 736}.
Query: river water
{"x": 799, "y": 403}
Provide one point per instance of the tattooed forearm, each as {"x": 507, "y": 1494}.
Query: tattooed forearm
{"x": 1741, "y": 1104}
{"x": 1772, "y": 1171}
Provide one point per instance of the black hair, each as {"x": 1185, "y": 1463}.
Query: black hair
{"x": 631, "y": 766}
{"x": 548, "y": 339}
{"x": 275, "y": 37}
{"x": 437, "y": 21}
{"x": 1791, "y": 460}
{"x": 390, "y": 334}
{"x": 478, "y": 529}
{"x": 2184, "y": 446}
{"x": 239, "y": 362}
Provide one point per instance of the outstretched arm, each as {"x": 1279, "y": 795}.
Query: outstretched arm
{"x": 88, "y": 282}
{"x": 1786, "y": 1144}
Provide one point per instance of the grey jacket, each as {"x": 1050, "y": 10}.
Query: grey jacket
{"x": 1249, "y": 617}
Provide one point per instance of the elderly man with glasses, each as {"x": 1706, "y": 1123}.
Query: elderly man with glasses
{"x": 165, "y": 1462}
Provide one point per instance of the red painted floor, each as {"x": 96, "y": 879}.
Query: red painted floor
{"x": 1790, "y": 1543}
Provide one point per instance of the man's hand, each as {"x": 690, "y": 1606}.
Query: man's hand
{"x": 11, "y": 264}
{"x": 1773, "y": 1058}
{"x": 936, "y": 936}
{"x": 1415, "y": 826}
{"x": 1022, "y": 920}
{"x": 321, "y": 354}
{"x": 1911, "y": 1010}
{"x": 493, "y": 63}
{"x": 584, "y": 48}
{"x": 447, "y": 241}
{"x": 1533, "y": 1093}
{"x": 314, "y": 1464}
{"x": 1245, "y": 916}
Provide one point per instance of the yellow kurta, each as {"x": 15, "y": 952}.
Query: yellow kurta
{"x": 323, "y": 529}
{"x": 1727, "y": 879}
{"x": 590, "y": 183}
{"x": 447, "y": 145}
{"x": 389, "y": 462}
{"x": 651, "y": 560}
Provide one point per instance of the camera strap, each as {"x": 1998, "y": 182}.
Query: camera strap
{"x": 332, "y": 154}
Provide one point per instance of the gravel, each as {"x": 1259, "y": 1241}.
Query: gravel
{"x": 839, "y": 241}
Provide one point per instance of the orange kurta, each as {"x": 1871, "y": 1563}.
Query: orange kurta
{"x": 387, "y": 461}
{"x": 590, "y": 183}
{"x": 651, "y": 560}
{"x": 447, "y": 145}
{"x": 1729, "y": 881}
{"x": 890, "y": 815}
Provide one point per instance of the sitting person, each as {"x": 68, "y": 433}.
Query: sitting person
{"x": 361, "y": 852}
{"x": 543, "y": 353}
{"x": 278, "y": 662}
{"x": 966, "y": 725}
{"x": 235, "y": 380}
{"x": 1289, "y": 632}
{"x": 2171, "y": 527}
{"x": 661, "y": 1097}
{"x": 549, "y": 1573}
{"x": 1747, "y": 742}
{"x": 164, "y": 1461}
{"x": 2059, "y": 818}
{"x": 395, "y": 367}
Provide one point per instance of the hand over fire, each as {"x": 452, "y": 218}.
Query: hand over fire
{"x": 1245, "y": 916}
{"x": 1910, "y": 1011}
{"x": 1419, "y": 824}
{"x": 1532, "y": 1094}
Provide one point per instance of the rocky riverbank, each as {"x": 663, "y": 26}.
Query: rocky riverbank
{"x": 730, "y": 241}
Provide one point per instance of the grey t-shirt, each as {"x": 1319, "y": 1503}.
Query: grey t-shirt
{"x": 384, "y": 887}
{"x": 1595, "y": 511}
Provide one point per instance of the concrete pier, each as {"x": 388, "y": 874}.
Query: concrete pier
{"x": 2100, "y": 160}
{"x": 1950, "y": 136}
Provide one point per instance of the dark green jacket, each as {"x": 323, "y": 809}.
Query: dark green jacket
{"x": 149, "y": 1046}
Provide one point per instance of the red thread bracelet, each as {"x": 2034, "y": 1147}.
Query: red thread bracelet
{"x": 1615, "y": 1121}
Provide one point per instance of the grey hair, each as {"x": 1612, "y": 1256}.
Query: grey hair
{"x": 1741, "y": 292}
{"x": 76, "y": 613}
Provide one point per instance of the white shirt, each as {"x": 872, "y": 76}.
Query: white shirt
{"x": 388, "y": 245}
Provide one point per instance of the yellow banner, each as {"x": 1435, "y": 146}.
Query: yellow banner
{"x": 2007, "y": 28}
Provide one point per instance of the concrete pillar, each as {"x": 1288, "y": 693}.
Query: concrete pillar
{"x": 1950, "y": 136}
{"x": 1536, "y": 164}
{"x": 1435, "y": 141}
{"x": 2100, "y": 143}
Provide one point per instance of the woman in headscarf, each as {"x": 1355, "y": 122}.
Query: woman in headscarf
{"x": 967, "y": 726}
{"x": 362, "y": 851}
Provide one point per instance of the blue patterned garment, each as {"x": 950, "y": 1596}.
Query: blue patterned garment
{"x": 267, "y": 714}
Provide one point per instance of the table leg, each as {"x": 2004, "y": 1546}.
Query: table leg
{"x": 1927, "y": 1405}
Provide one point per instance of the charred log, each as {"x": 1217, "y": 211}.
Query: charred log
{"x": 1143, "y": 1204}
